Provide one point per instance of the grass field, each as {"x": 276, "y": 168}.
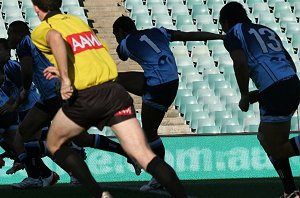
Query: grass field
{"x": 240, "y": 188}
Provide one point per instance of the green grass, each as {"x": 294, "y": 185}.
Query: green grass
{"x": 237, "y": 188}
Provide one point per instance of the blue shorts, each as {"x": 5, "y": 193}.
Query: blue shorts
{"x": 278, "y": 102}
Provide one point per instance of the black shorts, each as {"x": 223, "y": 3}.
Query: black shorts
{"x": 161, "y": 96}
{"x": 278, "y": 102}
{"x": 50, "y": 106}
{"x": 9, "y": 122}
{"x": 102, "y": 105}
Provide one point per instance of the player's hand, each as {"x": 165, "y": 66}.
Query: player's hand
{"x": 51, "y": 72}
{"x": 244, "y": 103}
{"x": 66, "y": 89}
{"x": 253, "y": 96}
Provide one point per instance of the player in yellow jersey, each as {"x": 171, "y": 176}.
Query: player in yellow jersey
{"x": 87, "y": 74}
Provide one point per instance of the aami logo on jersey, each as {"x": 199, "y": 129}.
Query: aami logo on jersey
{"x": 83, "y": 41}
{"x": 127, "y": 111}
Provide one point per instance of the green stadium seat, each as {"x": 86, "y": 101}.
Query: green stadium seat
{"x": 162, "y": 20}
{"x": 211, "y": 78}
{"x": 191, "y": 44}
{"x": 33, "y": 22}
{"x": 188, "y": 28}
{"x": 208, "y": 130}
{"x": 196, "y": 85}
{"x": 130, "y": 3}
{"x": 272, "y": 3}
{"x": 260, "y": 7}
{"x": 210, "y": 28}
{"x": 201, "y": 50}
{"x": 182, "y": 93}
{"x": 281, "y": 6}
{"x": 211, "y": 3}
{"x": 191, "y": 3}
{"x": 178, "y": 9}
{"x": 188, "y": 71}
{"x": 218, "y": 116}
{"x": 138, "y": 9}
{"x": 286, "y": 17}
{"x": 202, "y": 19}
{"x": 142, "y": 21}
{"x": 72, "y": 2}
{"x": 266, "y": 17}
{"x": 186, "y": 100}
{"x": 214, "y": 107}
{"x": 183, "y": 61}
{"x": 189, "y": 78}
{"x": 232, "y": 129}
{"x": 183, "y": 19}
{"x": 28, "y": 13}
{"x": 241, "y": 116}
{"x": 155, "y": 5}
{"x": 274, "y": 26}
{"x": 201, "y": 123}
{"x": 220, "y": 85}
{"x": 189, "y": 108}
{"x": 159, "y": 10}
{"x": 199, "y": 9}
{"x": 202, "y": 93}
{"x": 251, "y": 128}
{"x": 205, "y": 62}
{"x": 180, "y": 50}
{"x": 251, "y": 3}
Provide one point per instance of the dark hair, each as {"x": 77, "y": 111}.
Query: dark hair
{"x": 4, "y": 43}
{"x": 48, "y": 5}
{"x": 20, "y": 27}
{"x": 235, "y": 13}
{"x": 125, "y": 23}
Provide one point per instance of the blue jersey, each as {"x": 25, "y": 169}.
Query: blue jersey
{"x": 150, "y": 48}
{"x": 12, "y": 83}
{"x": 268, "y": 61}
{"x": 46, "y": 88}
{"x": 3, "y": 98}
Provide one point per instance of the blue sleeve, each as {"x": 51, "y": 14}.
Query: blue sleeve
{"x": 166, "y": 32}
{"x": 24, "y": 47}
{"x": 122, "y": 50}
{"x": 12, "y": 71}
{"x": 231, "y": 42}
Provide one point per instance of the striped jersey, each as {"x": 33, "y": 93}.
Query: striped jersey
{"x": 150, "y": 48}
{"x": 267, "y": 59}
{"x": 12, "y": 84}
{"x": 47, "y": 88}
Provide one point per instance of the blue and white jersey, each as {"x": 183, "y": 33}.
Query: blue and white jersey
{"x": 3, "y": 98}
{"x": 12, "y": 84}
{"x": 46, "y": 88}
{"x": 267, "y": 58}
{"x": 150, "y": 48}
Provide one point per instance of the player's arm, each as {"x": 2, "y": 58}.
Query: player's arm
{"x": 194, "y": 36}
{"x": 240, "y": 66}
{"x": 122, "y": 55}
{"x": 59, "y": 50}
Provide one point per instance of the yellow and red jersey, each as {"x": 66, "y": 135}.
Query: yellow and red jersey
{"x": 89, "y": 62}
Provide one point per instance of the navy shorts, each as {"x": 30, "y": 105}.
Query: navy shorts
{"x": 278, "y": 102}
{"x": 9, "y": 122}
{"x": 161, "y": 96}
{"x": 102, "y": 105}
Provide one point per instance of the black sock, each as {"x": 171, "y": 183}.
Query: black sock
{"x": 72, "y": 162}
{"x": 166, "y": 176}
{"x": 30, "y": 165}
{"x": 295, "y": 142}
{"x": 158, "y": 148}
{"x": 104, "y": 143}
{"x": 284, "y": 171}
{"x": 44, "y": 170}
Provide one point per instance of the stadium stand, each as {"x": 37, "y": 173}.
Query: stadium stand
{"x": 205, "y": 68}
